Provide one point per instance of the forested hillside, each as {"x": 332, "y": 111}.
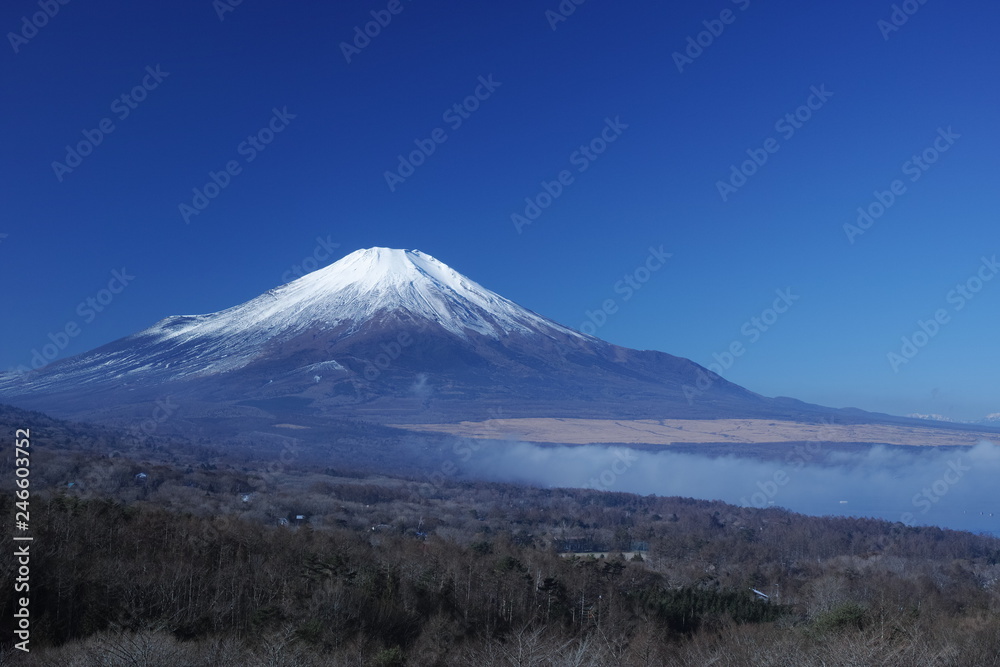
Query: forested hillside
{"x": 207, "y": 561}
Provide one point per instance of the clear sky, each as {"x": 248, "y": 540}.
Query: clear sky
{"x": 663, "y": 120}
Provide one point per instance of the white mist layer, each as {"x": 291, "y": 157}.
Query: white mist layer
{"x": 948, "y": 487}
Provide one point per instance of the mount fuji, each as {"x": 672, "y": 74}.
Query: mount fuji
{"x": 390, "y": 336}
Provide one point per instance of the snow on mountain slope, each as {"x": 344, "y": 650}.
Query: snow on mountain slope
{"x": 352, "y": 291}
{"x": 360, "y": 285}
{"x": 391, "y": 336}
{"x": 366, "y": 284}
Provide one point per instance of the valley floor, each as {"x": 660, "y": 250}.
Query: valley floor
{"x": 688, "y": 431}
{"x": 151, "y": 552}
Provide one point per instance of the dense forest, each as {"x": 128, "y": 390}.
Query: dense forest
{"x": 152, "y": 553}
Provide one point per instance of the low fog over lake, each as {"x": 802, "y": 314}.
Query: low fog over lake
{"x": 952, "y": 487}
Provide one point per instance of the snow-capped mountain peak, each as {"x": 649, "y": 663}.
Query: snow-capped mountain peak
{"x": 393, "y": 334}
{"x": 930, "y": 417}
{"x": 386, "y": 279}
{"x": 363, "y": 291}
{"x": 374, "y": 268}
{"x": 365, "y": 284}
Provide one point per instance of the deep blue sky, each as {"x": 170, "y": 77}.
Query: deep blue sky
{"x": 323, "y": 175}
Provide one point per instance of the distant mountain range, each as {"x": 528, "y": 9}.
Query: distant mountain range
{"x": 390, "y": 336}
{"x": 989, "y": 420}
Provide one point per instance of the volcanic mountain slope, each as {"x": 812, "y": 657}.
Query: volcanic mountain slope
{"x": 386, "y": 335}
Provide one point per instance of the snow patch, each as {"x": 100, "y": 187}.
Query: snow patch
{"x": 364, "y": 285}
